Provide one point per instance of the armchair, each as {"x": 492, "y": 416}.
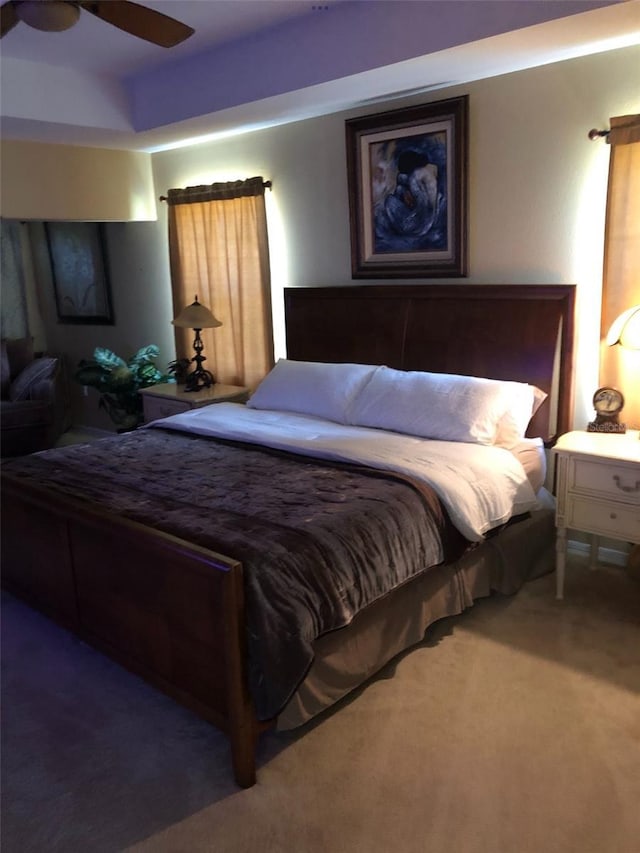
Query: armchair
{"x": 33, "y": 400}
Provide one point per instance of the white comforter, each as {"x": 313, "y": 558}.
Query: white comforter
{"x": 481, "y": 487}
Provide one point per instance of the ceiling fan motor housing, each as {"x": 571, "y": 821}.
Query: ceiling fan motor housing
{"x": 133, "y": 18}
{"x": 51, "y": 17}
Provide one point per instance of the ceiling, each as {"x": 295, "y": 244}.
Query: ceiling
{"x": 255, "y": 63}
{"x": 95, "y": 46}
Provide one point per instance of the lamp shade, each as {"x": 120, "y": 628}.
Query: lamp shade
{"x": 625, "y": 329}
{"x": 196, "y": 316}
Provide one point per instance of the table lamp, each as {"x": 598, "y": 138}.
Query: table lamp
{"x": 197, "y": 317}
{"x": 625, "y": 329}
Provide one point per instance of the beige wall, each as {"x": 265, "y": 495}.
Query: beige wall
{"x": 536, "y": 203}
{"x": 537, "y": 186}
{"x": 69, "y": 182}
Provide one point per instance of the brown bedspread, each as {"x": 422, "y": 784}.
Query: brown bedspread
{"x": 318, "y": 540}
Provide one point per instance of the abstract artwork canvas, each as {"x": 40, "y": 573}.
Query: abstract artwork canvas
{"x": 407, "y": 172}
{"x": 79, "y": 271}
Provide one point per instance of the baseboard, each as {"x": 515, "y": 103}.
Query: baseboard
{"x": 606, "y": 555}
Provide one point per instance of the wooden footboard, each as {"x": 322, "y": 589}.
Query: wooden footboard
{"x": 168, "y": 610}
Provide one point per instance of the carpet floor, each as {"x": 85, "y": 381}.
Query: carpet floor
{"x": 514, "y": 728}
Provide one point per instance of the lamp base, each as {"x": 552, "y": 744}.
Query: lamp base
{"x": 199, "y": 379}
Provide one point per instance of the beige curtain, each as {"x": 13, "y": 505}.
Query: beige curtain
{"x": 621, "y": 285}
{"x": 20, "y": 314}
{"x": 219, "y": 251}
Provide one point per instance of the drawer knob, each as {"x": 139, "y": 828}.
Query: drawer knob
{"x": 613, "y": 515}
{"x": 623, "y": 488}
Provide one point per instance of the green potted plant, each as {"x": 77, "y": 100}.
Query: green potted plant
{"x": 118, "y": 382}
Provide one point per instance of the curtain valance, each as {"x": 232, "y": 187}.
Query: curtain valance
{"x": 218, "y": 191}
{"x": 625, "y": 130}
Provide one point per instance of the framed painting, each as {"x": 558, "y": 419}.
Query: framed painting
{"x": 407, "y": 176}
{"x": 79, "y": 272}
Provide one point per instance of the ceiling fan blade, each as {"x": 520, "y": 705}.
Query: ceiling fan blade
{"x": 139, "y": 21}
{"x": 8, "y": 17}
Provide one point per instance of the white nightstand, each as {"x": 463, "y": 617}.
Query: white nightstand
{"x": 598, "y": 491}
{"x": 161, "y": 401}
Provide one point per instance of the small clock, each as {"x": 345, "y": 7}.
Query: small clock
{"x": 608, "y": 403}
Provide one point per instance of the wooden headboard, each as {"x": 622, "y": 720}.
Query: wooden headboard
{"x": 521, "y": 332}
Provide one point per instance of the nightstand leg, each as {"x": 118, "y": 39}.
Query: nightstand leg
{"x": 593, "y": 554}
{"x": 561, "y": 557}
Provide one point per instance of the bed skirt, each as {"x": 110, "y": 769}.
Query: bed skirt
{"x": 346, "y": 658}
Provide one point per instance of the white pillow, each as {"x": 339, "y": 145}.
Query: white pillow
{"x": 513, "y": 424}
{"x": 439, "y": 405}
{"x": 312, "y": 388}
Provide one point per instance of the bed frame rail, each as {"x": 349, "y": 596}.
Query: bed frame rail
{"x": 170, "y": 611}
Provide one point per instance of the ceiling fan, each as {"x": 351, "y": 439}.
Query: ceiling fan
{"x": 57, "y": 15}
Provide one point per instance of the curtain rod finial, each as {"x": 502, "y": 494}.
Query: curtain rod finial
{"x": 594, "y": 133}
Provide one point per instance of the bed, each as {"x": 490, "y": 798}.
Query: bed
{"x": 262, "y": 608}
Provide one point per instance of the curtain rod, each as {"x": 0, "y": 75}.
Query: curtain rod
{"x": 594, "y": 133}
{"x": 266, "y": 184}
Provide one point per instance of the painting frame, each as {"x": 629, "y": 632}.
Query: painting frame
{"x": 79, "y": 272}
{"x": 407, "y": 174}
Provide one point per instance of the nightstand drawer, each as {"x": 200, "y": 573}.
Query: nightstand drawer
{"x": 159, "y": 407}
{"x": 606, "y": 479}
{"x": 607, "y": 519}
